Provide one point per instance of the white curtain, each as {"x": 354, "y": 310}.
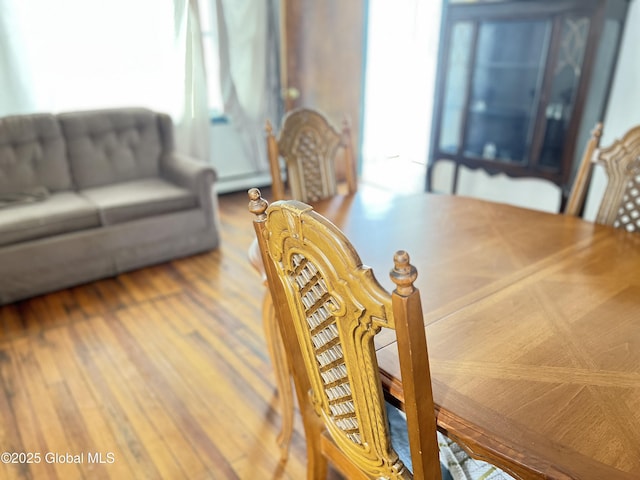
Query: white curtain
{"x": 247, "y": 36}
{"x": 86, "y": 54}
{"x": 15, "y": 95}
{"x": 193, "y": 127}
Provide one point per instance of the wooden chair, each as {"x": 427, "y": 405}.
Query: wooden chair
{"x": 329, "y": 307}
{"x": 620, "y": 206}
{"x": 311, "y": 149}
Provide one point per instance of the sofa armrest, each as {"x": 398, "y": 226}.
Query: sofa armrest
{"x": 188, "y": 173}
{"x": 196, "y": 177}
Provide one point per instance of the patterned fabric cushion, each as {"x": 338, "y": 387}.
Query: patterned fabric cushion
{"x": 463, "y": 467}
{"x": 400, "y": 439}
{"x": 455, "y": 463}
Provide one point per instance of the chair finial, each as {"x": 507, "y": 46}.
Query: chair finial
{"x": 257, "y": 204}
{"x": 268, "y": 127}
{"x": 597, "y": 131}
{"x": 403, "y": 273}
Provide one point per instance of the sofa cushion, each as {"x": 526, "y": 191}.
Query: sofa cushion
{"x": 32, "y": 154}
{"x": 127, "y": 201}
{"x": 110, "y": 146}
{"x": 61, "y": 212}
{"x": 28, "y": 195}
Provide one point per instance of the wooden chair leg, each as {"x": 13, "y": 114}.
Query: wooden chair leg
{"x": 282, "y": 373}
{"x": 317, "y": 463}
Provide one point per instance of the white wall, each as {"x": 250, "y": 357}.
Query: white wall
{"x": 623, "y": 111}
{"x": 236, "y": 167}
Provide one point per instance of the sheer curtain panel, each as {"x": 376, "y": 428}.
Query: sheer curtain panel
{"x": 248, "y": 47}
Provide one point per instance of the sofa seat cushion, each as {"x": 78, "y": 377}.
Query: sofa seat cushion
{"x": 125, "y": 201}
{"x": 61, "y": 212}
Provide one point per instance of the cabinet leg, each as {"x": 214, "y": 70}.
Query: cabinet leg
{"x": 454, "y": 182}
{"x": 429, "y": 181}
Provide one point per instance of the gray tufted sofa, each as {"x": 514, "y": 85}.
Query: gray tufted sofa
{"x": 87, "y": 195}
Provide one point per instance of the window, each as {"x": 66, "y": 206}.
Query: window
{"x": 94, "y": 54}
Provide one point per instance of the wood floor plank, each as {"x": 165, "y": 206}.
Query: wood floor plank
{"x": 225, "y": 348}
{"x": 10, "y": 321}
{"x": 136, "y": 401}
{"x": 91, "y": 408}
{"x": 163, "y": 366}
{"x": 107, "y": 390}
{"x": 50, "y": 435}
{"x": 12, "y": 404}
{"x": 241, "y": 360}
{"x": 209, "y": 383}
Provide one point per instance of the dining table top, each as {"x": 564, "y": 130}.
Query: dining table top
{"x": 532, "y": 322}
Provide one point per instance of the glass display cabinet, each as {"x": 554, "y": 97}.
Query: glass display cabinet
{"x": 520, "y": 84}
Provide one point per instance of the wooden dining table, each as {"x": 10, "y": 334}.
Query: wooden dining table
{"x": 532, "y": 322}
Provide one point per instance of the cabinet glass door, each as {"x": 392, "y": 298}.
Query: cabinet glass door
{"x": 458, "y": 71}
{"x": 505, "y": 89}
{"x": 566, "y": 77}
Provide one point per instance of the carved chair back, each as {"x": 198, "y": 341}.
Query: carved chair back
{"x": 330, "y": 307}
{"x": 310, "y": 146}
{"x": 620, "y": 205}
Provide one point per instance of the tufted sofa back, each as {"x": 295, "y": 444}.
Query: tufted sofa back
{"x": 109, "y": 146}
{"x": 32, "y": 154}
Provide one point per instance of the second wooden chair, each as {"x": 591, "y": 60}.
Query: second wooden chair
{"x": 620, "y": 205}
{"x": 315, "y": 155}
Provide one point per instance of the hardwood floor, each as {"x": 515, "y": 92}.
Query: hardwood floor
{"x": 161, "y": 373}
